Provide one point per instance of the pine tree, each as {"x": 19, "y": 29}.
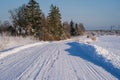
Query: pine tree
{"x": 54, "y": 22}
{"x": 76, "y": 29}
{"x": 72, "y": 30}
{"x": 33, "y": 16}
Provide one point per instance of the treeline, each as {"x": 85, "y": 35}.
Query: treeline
{"x": 30, "y": 20}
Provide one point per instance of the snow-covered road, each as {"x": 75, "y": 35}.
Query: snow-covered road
{"x": 53, "y": 61}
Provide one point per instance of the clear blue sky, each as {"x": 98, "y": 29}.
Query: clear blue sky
{"x": 92, "y": 13}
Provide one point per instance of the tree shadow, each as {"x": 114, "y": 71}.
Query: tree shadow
{"x": 88, "y": 52}
{"x": 9, "y": 49}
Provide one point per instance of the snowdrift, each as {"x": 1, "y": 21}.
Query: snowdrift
{"x": 15, "y": 50}
{"x": 105, "y": 51}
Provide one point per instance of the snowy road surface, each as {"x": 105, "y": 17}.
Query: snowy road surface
{"x": 53, "y": 61}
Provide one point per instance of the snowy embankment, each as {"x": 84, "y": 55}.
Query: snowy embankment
{"x": 109, "y": 56}
{"x": 10, "y": 52}
{"x": 10, "y": 45}
{"x": 10, "y": 42}
{"x": 107, "y": 50}
{"x": 109, "y": 47}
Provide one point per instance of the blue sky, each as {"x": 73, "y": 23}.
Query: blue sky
{"x": 92, "y": 13}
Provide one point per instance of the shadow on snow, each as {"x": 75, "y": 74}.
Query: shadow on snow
{"x": 89, "y": 53}
{"x": 9, "y": 49}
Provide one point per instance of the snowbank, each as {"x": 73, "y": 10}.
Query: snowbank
{"x": 109, "y": 56}
{"x": 10, "y": 45}
{"x": 6, "y": 53}
{"x": 7, "y": 42}
{"x": 107, "y": 47}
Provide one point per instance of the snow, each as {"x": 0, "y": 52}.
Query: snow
{"x": 108, "y": 46}
{"x": 107, "y": 50}
{"x": 109, "y": 42}
{"x": 109, "y": 56}
{"x": 72, "y": 59}
{"x": 6, "y": 53}
{"x": 9, "y": 42}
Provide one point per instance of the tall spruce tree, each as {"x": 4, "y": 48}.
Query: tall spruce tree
{"x": 72, "y": 30}
{"x": 33, "y": 16}
{"x": 54, "y": 22}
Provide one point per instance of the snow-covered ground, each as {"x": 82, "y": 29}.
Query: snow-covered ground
{"x": 9, "y": 42}
{"x": 73, "y": 59}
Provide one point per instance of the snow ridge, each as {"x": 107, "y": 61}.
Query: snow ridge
{"x": 7, "y": 53}
{"x": 109, "y": 56}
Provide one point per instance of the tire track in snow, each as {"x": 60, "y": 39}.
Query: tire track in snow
{"x": 49, "y": 64}
{"x": 33, "y": 71}
{"x": 74, "y": 64}
{"x": 40, "y": 64}
{"x": 18, "y": 64}
{"x": 46, "y": 65}
{"x": 33, "y": 66}
{"x": 11, "y": 60}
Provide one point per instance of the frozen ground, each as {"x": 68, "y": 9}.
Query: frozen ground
{"x": 63, "y": 60}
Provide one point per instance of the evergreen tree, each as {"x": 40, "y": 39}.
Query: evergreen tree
{"x": 72, "y": 28}
{"x": 76, "y": 29}
{"x": 33, "y": 16}
{"x": 28, "y": 17}
{"x": 54, "y": 22}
